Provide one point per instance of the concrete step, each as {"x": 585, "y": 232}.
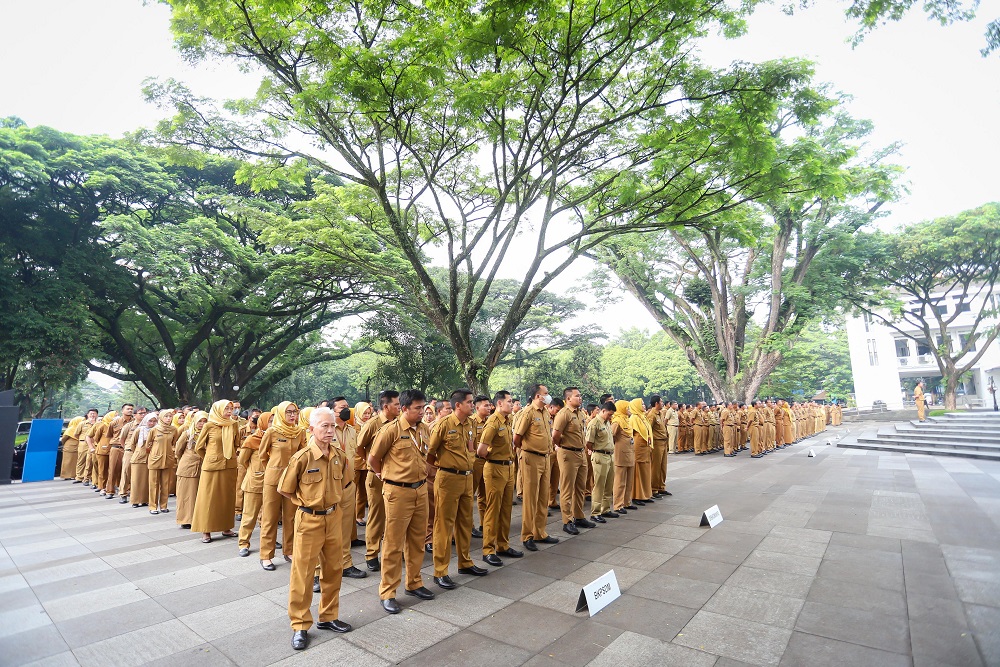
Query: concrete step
{"x": 934, "y": 429}
{"x": 951, "y": 443}
{"x": 986, "y": 418}
{"x": 909, "y": 449}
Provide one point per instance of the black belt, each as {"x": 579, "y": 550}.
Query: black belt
{"x": 309, "y": 510}
{"x": 408, "y": 485}
{"x": 348, "y": 485}
{"x": 455, "y": 472}
{"x": 601, "y": 451}
{"x": 528, "y": 451}
{"x": 499, "y": 463}
{"x": 573, "y": 449}
{"x": 481, "y": 458}
{"x": 116, "y": 447}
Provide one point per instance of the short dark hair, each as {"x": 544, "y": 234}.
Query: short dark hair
{"x": 89, "y": 410}
{"x": 441, "y": 406}
{"x": 500, "y": 395}
{"x": 335, "y": 399}
{"x": 480, "y": 398}
{"x": 654, "y": 399}
{"x": 253, "y": 410}
{"x": 591, "y": 406}
{"x": 126, "y": 405}
{"x": 409, "y": 396}
{"x": 386, "y": 396}
{"x": 458, "y": 396}
{"x": 534, "y": 390}
{"x": 606, "y": 397}
{"x": 569, "y": 390}
{"x": 608, "y": 405}
{"x": 558, "y": 402}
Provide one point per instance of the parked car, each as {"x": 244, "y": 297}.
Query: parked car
{"x": 21, "y": 445}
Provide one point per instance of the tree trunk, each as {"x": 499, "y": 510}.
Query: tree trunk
{"x": 477, "y": 377}
{"x": 950, "y": 391}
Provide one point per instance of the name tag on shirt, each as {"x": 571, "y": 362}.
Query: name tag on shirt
{"x": 313, "y": 470}
{"x": 404, "y": 437}
{"x": 452, "y": 431}
{"x": 501, "y": 429}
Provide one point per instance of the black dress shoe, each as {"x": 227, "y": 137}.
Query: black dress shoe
{"x": 584, "y": 523}
{"x": 336, "y": 626}
{"x": 570, "y": 528}
{"x": 391, "y": 606}
{"x": 666, "y": 493}
{"x": 530, "y": 545}
{"x": 428, "y": 549}
{"x": 244, "y": 552}
{"x": 185, "y": 526}
{"x": 421, "y": 593}
{"x": 300, "y": 640}
{"x": 354, "y": 573}
{"x": 636, "y": 501}
{"x": 475, "y": 571}
{"x": 315, "y": 584}
{"x": 444, "y": 582}
{"x": 78, "y": 481}
{"x": 269, "y": 566}
{"x": 373, "y": 565}
{"x": 598, "y": 518}
{"x": 621, "y": 511}
{"x": 548, "y": 513}
{"x": 136, "y": 505}
{"x": 477, "y": 532}
{"x": 358, "y": 543}
{"x": 512, "y": 553}
{"x": 493, "y": 559}
{"x": 553, "y": 507}
{"x": 609, "y": 515}
{"x": 630, "y": 507}
{"x": 548, "y": 539}
{"x": 277, "y": 545}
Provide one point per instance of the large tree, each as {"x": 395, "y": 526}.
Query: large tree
{"x": 778, "y": 262}
{"x": 492, "y": 139}
{"x": 936, "y": 277}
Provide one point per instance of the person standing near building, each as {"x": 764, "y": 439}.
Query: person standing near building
{"x": 600, "y": 446}
{"x": 918, "y": 398}
{"x": 567, "y": 437}
{"x": 533, "y": 441}
{"x": 496, "y": 447}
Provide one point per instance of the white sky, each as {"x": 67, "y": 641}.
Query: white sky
{"x": 78, "y": 67}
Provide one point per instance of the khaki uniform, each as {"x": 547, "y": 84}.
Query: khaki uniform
{"x": 671, "y": 417}
{"x": 598, "y": 440}
{"x": 346, "y": 439}
{"x": 116, "y": 453}
{"x": 316, "y": 482}
{"x": 753, "y": 421}
{"x": 918, "y": 397}
{"x": 498, "y": 476}
{"x": 375, "y": 528}
{"x": 730, "y": 429}
{"x": 360, "y": 478}
{"x": 101, "y": 435}
{"x": 213, "y": 509}
{"x": 661, "y": 442}
{"x": 83, "y": 461}
{"x": 451, "y": 443}
{"x": 140, "y": 473}
{"x": 478, "y": 468}
{"x": 253, "y": 490}
{"x": 701, "y": 426}
{"x": 275, "y": 452}
{"x": 624, "y": 460}
{"x": 535, "y": 428}
{"x": 125, "y": 481}
{"x": 188, "y": 472}
{"x": 767, "y": 420}
{"x": 404, "y": 495}
{"x": 572, "y": 463}
{"x": 160, "y": 444}
{"x": 70, "y": 447}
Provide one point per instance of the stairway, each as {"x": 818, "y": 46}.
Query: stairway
{"x": 974, "y": 434}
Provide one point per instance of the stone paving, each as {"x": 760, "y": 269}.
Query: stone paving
{"x": 848, "y": 558}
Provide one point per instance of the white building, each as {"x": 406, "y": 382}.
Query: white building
{"x": 887, "y": 365}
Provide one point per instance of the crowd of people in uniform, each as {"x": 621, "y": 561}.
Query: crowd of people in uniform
{"x": 412, "y": 473}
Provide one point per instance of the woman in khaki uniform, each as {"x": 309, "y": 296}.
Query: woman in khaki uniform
{"x": 188, "y": 469}
{"x": 253, "y": 482}
{"x": 160, "y": 447}
{"x": 642, "y": 434}
{"x": 216, "y": 445}
{"x": 140, "y": 456}
{"x": 283, "y": 438}
{"x": 70, "y": 442}
{"x": 362, "y": 413}
{"x": 624, "y": 458}
{"x": 180, "y": 424}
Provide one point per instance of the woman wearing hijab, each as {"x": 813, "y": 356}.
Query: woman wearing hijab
{"x": 216, "y": 445}
{"x": 140, "y": 457}
{"x": 159, "y": 444}
{"x": 70, "y": 442}
{"x": 362, "y": 413}
{"x": 624, "y": 458}
{"x": 642, "y": 436}
{"x": 284, "y": 437}
{"x": 188, "y": 469}
{"x": 253, "y": 482}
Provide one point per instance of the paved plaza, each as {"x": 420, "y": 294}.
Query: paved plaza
{"x": 852, "y": 557}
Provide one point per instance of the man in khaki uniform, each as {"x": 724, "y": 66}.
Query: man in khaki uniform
{"x": 661, "y": 442}
{"x": 83, "y": 460}
{"x": 449, "y": 468}
{"x": 601, "y": 448}
{"x": 918, "y": 398}
{"x": 553, "y": 408}
{"x": 671, "y": 417}
{"x": 755, "y": 425}
{"x": 116, "y": 452}
{"x": 345, "y": 438}
{"x": 375, "y": 528}
{"x": 533, "y": 440}
{"x": 701, "y": 426}
{"x": 125, "y": 482}
{"x": 567, "y": 436}
{"x": 730, "y": 429}
{"x": 767, "y": 418}
{"x": 497, "y": 448}
{"x": 396, "y": 460}
{"x": 483, "y": 410}
{"x": 314, "y": 481}
{"x": 99, "y": 439}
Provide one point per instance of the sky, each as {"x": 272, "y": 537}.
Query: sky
{"x": 79, "y": 67}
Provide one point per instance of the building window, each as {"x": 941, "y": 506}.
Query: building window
{"x": 963, "y": 339}
{"x": 902, "y": 348}
{"x": 941, "y": 310}
{"x": 964, "y": 307}
{"x": 872, "y": 352}
{"x": 923, "y": 347}
{"x": 868, "y": 320}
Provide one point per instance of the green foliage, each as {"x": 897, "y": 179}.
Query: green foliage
{"x": 818, "y": 359}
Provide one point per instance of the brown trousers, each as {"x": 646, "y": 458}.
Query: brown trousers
{"x": 375, "y": 529}
{"x": 315, "y": 539}
{"x": 159, "y": 489}
{"x": 252, "y": 504}
{"x": 360, "y": 495}
{"x": 624, "y": 479}
{"x": 572, "y": 483}
{"x": 499, "y": 480}
{"x": 405, "y": 520}
{"x": 452, "y": 516}
{"x": 534, "y": 478}
{"x": 114, "y": 473}
{"x": 276, "y": 507}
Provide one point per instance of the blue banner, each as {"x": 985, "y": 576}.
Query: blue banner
{"x": 40, "y": 452}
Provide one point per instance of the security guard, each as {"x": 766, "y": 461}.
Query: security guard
{"x": 449, "y": 466}
{"x": 388, "y": 402}
{"x": 397, "y": 462}
{"x": 601, "y": 447}
{"x": 567, "y": 436}
{"x": 533, "y": 439}
{"x": 497, "y": 448}
{"x": 314, "y": 481}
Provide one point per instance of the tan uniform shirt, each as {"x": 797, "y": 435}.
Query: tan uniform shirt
{"x": 499, "y": 438}
{"x": 101, "y": 435}
{"x": 598, "y": 436}
{"x": 398, "y": 446}
{"x": 569, "y": 423}
{"x": 160, "y": 443}
{"x": 115, "y": 427}
{"x": 450, "y": 443}
{"x": 535, "y": 428}
{"x": 315, "y": 480}
{"x": 367, "y": 437}
{"x": 276, "y": 451}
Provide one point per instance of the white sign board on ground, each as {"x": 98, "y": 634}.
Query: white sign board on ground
{"x": 712, "y": 517}
{"x": 599, "y": 593}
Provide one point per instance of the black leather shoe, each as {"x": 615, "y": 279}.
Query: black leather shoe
{"x": 512, "y": 553}
{"x": 136, "y": 505}
{"x": 553, "y": 507}
{"x": 373, "y": 565}
{"x": 621, "y": 511}
{"x": 269, "y": 567}
{"x": 428, "y": 549}
{"x": 530, "y": 545}
{"x": 609, "y": 515}
{"x": 300, "y": 640}
{"x": 475, "y": 571}
{"x": 548, "y": 539}
{"x": 477, "y": 532}
{"x": 354, "y": 573}
{"x": 421, "y": 593}
{"x": 640, "y": 503}
{"x": 244, "y": 552}
{"x": 598, "y": 518}
{"x": 315, "y": 584}
{"x": 584, "y": 523}
{"x": 630, "y": 507}
{"x": 666, "y": 493}
{"x": 570, "y": 528}
{"x": 444, "y": 582}
{"x": 336, "y": 626}
{"x": 493, "y": 559}
{"x": 358, "y": 543}
{"x": 548, "y": 513}
{"x": 391, "y": 606}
